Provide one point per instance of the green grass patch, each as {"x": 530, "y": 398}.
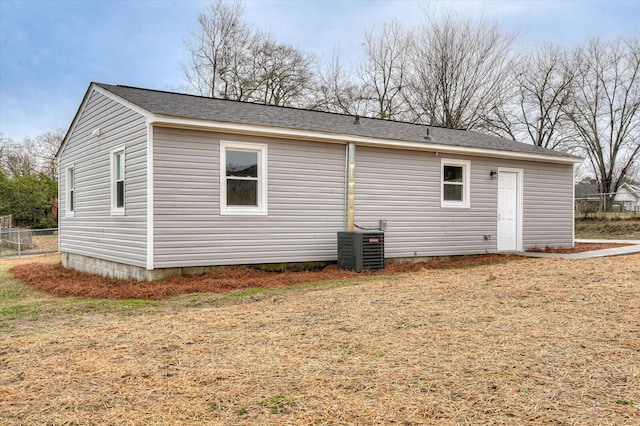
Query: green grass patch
{"x": 276, "y": 403}
{"x": 136, "y": 303}
{"x": 19, "y": 303}
{"x": 12, "y": 311}
{"x": 13, "y": 290}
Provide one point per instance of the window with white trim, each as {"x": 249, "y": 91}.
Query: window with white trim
{"x": 71, "y": 189}
{"x": 243, "y": 178}
{"x": 117, "y": 181}
{"x": 455, "y": 187}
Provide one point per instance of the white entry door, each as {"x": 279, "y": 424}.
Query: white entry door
{"x": 508, "y": 211}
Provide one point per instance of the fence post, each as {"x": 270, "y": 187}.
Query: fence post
{"x": 19, "y": 252}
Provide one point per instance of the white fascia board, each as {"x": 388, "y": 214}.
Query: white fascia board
{"x": 247, "y": 129}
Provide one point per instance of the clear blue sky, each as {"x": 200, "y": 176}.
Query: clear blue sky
{"x": 51, "y": 50}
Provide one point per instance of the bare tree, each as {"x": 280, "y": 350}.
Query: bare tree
{"x": 459, "y": 67}
{"x": 535, "y": 100}
{"x": 605, "y": 110}
{"x": 47, "y": 146}
{"x": 31, "y": 155}
{"x": 383, "y": 72}
{"x": 19, "y": 159}
{"x": 337, "y": 90}
{"x": 227, "y": 59}
{"x": 283, "y": 73}
{"x": 4, "y": 150}
{"x": 220, "y": 40}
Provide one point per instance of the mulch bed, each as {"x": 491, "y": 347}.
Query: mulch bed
{"x": 58, "y": 281}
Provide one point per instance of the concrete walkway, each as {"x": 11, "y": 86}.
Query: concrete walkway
{"x": 632, "y": 248}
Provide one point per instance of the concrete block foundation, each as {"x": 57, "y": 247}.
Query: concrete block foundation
{"x": 109, "y": 269}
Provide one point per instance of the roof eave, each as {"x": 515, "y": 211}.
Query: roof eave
{"x": 315, "y": 136}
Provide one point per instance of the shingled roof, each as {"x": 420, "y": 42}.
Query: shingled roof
{"x": 177, "y": 105}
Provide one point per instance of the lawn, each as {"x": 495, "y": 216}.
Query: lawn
{"x": 536, "y": 341}
{"x": 615, "y": 227}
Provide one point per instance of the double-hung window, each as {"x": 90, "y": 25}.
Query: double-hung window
{"x": 455, "y": 188}
{"x": 117, "y": 181}
{"x": 71, "y": 189}
{"x": 243, "y": 178}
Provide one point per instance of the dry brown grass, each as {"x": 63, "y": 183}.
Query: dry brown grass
{"x": 539, "y": 341}
{"x": 578, "y": 248}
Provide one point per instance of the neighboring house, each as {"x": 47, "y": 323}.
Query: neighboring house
{"x": 155, "y": 183}
{"x": 587, "y": 190}
{"x": 628, "y": 196}
{"x": 587, "y": 197}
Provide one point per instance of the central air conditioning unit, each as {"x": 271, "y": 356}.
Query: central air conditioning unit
{"x": 360, "y": 250}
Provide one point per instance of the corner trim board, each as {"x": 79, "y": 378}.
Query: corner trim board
{"x": 150, "y": 198}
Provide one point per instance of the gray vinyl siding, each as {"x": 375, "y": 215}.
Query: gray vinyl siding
{"x": 548, "y": 206}
{"x": 93, "y": 231}
{"x": 403, "y": 188}
{"x": 305, "y": 199}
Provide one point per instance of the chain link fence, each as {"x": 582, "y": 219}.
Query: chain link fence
{"x": 17, "y": 242}
{"x": 604, "y": 204}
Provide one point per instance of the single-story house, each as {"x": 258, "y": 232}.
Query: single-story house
{"x": 628, "y": 196}
{"x": 154, "y": 183}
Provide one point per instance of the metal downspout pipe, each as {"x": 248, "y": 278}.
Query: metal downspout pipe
{"x": 351, "y": 187}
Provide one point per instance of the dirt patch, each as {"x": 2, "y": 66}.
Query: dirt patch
{"x": 58, "y": 281}
{"x": 577, "y": 248}
{"x": 532, "y": 342}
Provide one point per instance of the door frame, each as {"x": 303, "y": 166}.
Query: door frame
{"x": 519, "y": 205}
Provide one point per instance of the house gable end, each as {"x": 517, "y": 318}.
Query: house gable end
{"x": 93, "y": 88}
{"x": 102, "y": 125}
{"x": 631, "y": 190}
